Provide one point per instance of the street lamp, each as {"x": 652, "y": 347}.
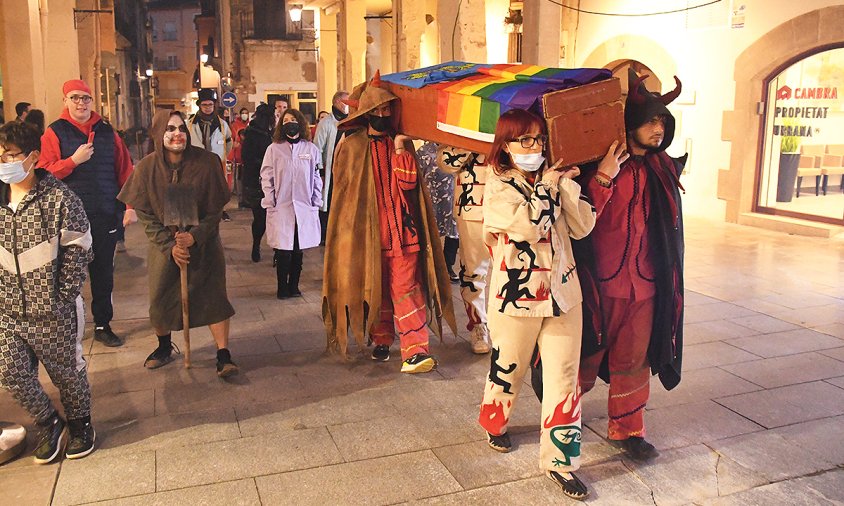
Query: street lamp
{"x": 149, "y": 72}
{"x": 203, "y": 58}
{"x": 296, "y": 13}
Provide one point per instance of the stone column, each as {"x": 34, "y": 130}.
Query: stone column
{"x": 21, "y": 55}
{"x": 541, "y": 33}
{"x": 327, "y": 67}
{"x": 467, "y": 41}
{"x": 351, "y": 31}
{"x": 409, "y": 22}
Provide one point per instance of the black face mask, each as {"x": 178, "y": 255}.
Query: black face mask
{"x": 338, "y": 114}
{"x": 291, "y": 131}
{"x": 379, "y": 123}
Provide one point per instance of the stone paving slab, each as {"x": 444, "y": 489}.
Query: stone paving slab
{"x": 701, "y": 422}
{"x": 715, "y": 330}
{"x": 764, "y": 324}
{"x": 696, "y": 385}
{"x": 789, "y": 342}
{"x": 229, "y": 493}
{"x": 242, "y": 458}
{"x": 386, "y": 480}
{"x": 703, "y": 355}
{"x": 27, "y": 484}
{"x": 789, "y": 370}
{"x": 788, "y": 405}
{"x": 821, "y": 490}
{"x": 105, "y": 474}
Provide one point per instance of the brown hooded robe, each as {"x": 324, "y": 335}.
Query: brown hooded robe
{"x": 351, "y": 287}
{"x": 145, "y": 191}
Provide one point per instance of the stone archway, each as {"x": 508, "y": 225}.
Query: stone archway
{"x": 742, "y": 126}
{"x": 643, "y": 54}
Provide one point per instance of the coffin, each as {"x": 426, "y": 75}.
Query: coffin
{"x": 458, "y": 103}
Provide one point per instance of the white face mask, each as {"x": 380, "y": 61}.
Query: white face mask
{"x": 13, "y": 172}
{"x": 530, "y": 162}
{"x": 244, "y": 117}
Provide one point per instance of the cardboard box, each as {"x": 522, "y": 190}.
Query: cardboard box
{"x": 582, "y": 121}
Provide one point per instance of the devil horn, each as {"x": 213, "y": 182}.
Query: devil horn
{"x": 671, "y": 95}
{"x": 634, "y": 93}
{"x": 376, "y": 79}
{"x": 351, "y": 102}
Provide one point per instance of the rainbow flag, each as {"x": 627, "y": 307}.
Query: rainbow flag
{"x": 471, "y": 97}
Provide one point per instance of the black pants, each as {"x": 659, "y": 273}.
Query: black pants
{"x": 450, "y": 247}
{"x": 104, "y": 231}
{"x": 259, "y": 223}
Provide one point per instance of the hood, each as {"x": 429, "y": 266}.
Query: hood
{"x": 642, "y": 105}
{"x": 159, "y": 125}
{"x": 364, "y": 98}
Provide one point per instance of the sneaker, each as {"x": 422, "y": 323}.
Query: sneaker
{"x": 499, "y": 443}
{"x": 225, "y": 366}
{"x": 226, "y": 216}
{"x": 12, "y": 441}
{"x": 120, "y": 247}
{"x": 82, "y": 439}
{"x": 51, "y": 440}
{"x": 480, "y": 339}
{"x": 419, "y": 363}
{"x": 381, "y": 353}
{"x": 636, "y": 448}
{"x": 107, "y": 337}
{"x": 571, "y": 484}
{"x": 161, "y": 356}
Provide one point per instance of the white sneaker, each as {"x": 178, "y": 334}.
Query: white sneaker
{"x": 480, "y": 339}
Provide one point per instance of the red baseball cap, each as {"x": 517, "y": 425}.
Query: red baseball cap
{"x": 75, "y": 85}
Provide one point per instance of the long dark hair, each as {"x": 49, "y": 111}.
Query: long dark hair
{"x": 304, "y": 128}
{"x": 511, "y": 125}
{"x": 35, "y": 117}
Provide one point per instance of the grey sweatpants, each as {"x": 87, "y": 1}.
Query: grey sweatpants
{"x": 56, "y": 343}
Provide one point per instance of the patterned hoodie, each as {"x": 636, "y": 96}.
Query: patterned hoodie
{"x": 528, "y": 229}
{"x": 45, "y": 247}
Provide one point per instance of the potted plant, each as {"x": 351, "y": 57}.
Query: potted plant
{"x": 789, "y": 160}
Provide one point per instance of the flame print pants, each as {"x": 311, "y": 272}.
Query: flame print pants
{"x": 627, "y": 332}
{"x": 474, "y": 267}
{"x": 513, "y": 341}
{"x": 56, "y": 343}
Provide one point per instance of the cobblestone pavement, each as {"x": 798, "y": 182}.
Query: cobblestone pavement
{"x": 757, "y": 419}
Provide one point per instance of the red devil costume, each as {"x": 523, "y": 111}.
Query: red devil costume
{"x": 631, "y": 270}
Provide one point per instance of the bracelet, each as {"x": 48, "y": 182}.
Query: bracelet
{"x": 606, "y": 183}
{"x": 603, "y": 175}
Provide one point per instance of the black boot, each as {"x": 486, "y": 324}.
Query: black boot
{"x": 282, "y": 270}
{"x": 256, "y": 251}
{"x": 295, "y": 273}
{"x": 82, "y": 438}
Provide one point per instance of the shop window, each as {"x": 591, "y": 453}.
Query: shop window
{"x": 802, "y": 167}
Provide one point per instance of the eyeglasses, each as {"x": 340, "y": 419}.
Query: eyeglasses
{"x": 526, "y": 141}
{"x": 10, "y": 157}
{"x": 81, "y": 99}
{"x": 173, "y": 128}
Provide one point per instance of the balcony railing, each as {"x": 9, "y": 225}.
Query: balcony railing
{"x": 267, "y": 30}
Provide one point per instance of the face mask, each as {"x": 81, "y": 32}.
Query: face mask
{"x": 13, "y": 172}
{"x": 290, "y": 130}
{"x": 379, "y": 123}
{"x": 244, "y": 117}
{"x": 530, "y": 162}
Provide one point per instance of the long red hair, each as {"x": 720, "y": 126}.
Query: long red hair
{"x": 511, "y": 125}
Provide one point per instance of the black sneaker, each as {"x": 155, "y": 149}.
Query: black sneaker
{"x": 161, "y": 356}
{"x": 225, "y": 366}
{"x": 499, "y": 443}
{"x": 454, "y": 278}
{"x": 636, "y": 448}
{"x": 419, "y": 363}
{"x": 107, "y": 337}
{"x": 82, "y": 439}
{"x": 572, "y": 487}
{"x": 51, "y": 440}
{"x": 226, "y": 216}
{"x": 381, "y": 353}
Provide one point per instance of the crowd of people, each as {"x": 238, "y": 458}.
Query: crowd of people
{"x": 568, "y": 272}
